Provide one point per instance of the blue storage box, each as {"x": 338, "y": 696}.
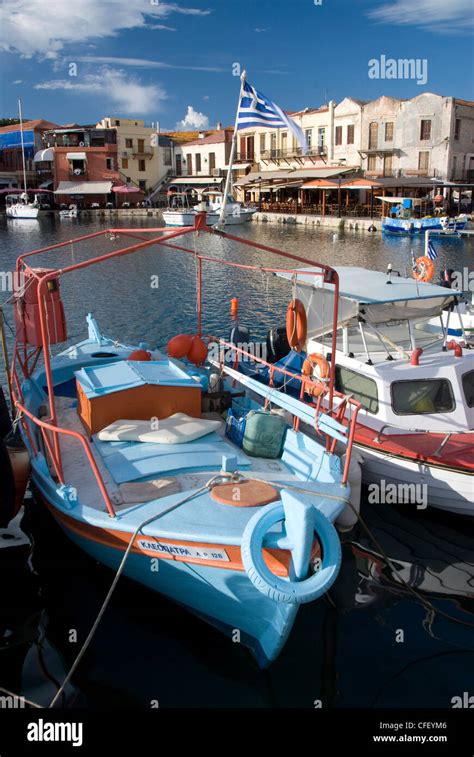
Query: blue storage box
{"x": 235, "y": 426}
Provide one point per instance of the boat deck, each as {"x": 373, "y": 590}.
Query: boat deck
{"x": 143, "y": 476}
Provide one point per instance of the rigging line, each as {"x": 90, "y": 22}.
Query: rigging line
{"x": 119, "y": 572}
{"x": 20, "y": 696}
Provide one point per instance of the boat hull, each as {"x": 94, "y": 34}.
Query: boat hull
{"x": 412, "y": 226}
{"x": 172, "y": 218}
{"x": 22, "y": 211}
{"x": 225, "y": 598}
{"x": 447, "y": 489}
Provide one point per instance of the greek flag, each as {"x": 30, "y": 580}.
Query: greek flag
{"x": 432, "y": 254}
{"x": 257, "y": 110}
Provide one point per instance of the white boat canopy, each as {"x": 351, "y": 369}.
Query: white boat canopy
{"x": 414, "y": 200}
{"x": 368, "y": 294}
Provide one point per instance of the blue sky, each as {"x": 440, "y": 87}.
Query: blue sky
{"x": 172, "y": 61}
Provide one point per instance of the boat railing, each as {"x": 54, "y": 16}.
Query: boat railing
{"x": 341, "y": 429}
{"x": 53, "y": 456}
{"x": 45, "y": 427}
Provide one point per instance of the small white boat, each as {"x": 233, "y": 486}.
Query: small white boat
{"x": 19, "y": 206}
{"x": 416, "y": 427}
{"x": 70, "y": 212}
{"x": 181, "y": 213}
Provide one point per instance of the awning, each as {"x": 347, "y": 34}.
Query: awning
{"x": 126, "y": 189}
{"x": 76, "y": 156}
{"x": 298, "y": 174}
{"x": 283, "y": 185}
{"x": 399, "y": 200}
{"x": 320, "y": 184}
{"x": 46, "y": 184}
{"x": 84, "y": 188}
{"x": 361, "y": 184}
{"x": 196, "y": 180}
{"x": 43, "y": 155}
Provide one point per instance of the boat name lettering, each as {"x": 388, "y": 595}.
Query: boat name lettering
{"x": 183, "y": 550}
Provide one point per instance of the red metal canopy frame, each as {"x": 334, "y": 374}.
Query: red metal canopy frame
{"x": 48, "y": 426}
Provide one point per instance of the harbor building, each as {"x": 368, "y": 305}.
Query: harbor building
{"x": 145, "y": 157}
{"x": 201, "y": 159}
{"x": 359, "y": 151}
{"x": 80, "y": 164}
{"x": 11, "y": 163}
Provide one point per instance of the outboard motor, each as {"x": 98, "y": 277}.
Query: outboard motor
{"x": 277, "y": 345}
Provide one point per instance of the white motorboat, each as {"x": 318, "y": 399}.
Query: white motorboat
{"x": 70, "y": 212}
{"x": 181, "y": 213}
{"x": 19, "y": 206}
{"x": 416, "y": 429}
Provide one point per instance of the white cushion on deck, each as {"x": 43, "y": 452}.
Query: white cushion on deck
{"x": 176, "y": 429}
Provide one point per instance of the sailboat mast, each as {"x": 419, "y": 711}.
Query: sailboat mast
{"x": 22, "y": 145}
{"x": 228, "y": 181}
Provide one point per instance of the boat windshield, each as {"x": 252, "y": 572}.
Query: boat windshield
{"x": 422, "y": 397}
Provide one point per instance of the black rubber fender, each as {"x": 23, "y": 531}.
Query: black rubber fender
{"x": 7, "y": 487}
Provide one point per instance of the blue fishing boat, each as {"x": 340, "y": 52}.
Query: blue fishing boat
{"x": 402, "y": 219}
{"x": 194, "y": 479}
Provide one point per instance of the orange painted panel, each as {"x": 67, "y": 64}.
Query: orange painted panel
{"x": 137, "y": 403}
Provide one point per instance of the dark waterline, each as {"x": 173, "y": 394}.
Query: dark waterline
{"x": 345, "y": 650}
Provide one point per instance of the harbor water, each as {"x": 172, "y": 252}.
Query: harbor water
{"x": 369, "y": 642}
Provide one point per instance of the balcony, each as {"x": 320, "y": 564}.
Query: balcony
{"x": 293, "y": 152}
{"x": 141, "y": 155}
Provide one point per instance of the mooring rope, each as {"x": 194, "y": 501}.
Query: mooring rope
{"x": 119, "y": 572}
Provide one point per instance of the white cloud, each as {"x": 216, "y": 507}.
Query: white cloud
{"x": 437, "y": 15}
{"x": 260, "y": 30}
{"x": 125, "y": 93}
{"x": 18, "y": 81}
{"x": 141, "y": 63}
{"x": 34, "y": 27}
{"x": 205, "y": 97}
{"x": 193, "y": 120}
{"x": 163, "y": 27}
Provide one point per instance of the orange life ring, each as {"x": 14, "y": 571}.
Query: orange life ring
{"x": 296, "y": 325}
{"x": 424, "y": 269}
{"x": 324, "y": 372}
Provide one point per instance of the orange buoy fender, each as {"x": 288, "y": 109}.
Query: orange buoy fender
{"x": 179, "y": 345}
{"x": 296, "y": 325}
{"x": 139, "y": 355}
{"x": 312, "y": 361}
{"x": 198, "y": 352}
{"x": 424, "y": 269}
{"x": 234, "y": 307}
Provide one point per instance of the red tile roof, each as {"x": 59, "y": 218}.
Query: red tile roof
{"x": 225, "y": 135}
{"x": 38, "y": 123}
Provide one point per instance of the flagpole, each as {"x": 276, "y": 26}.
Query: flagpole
{"x": 228, "y": 181}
